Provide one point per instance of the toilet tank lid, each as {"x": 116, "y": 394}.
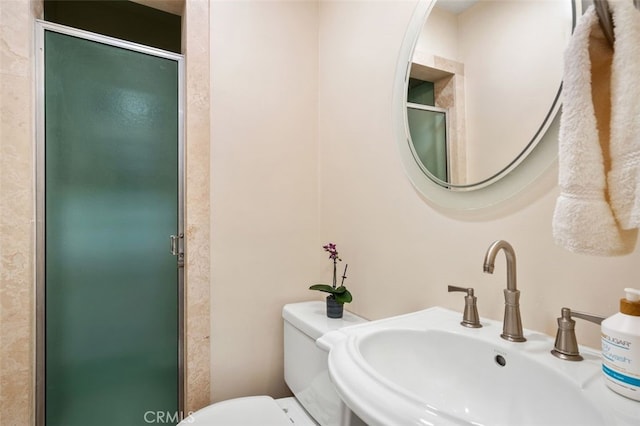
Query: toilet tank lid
{"x": 311, "y": 318}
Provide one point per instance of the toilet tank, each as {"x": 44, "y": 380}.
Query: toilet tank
{"x": 305, "y": 364}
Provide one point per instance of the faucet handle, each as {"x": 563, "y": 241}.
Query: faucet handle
{"x": 470, "y": 316}
{"x": 566, "y": 344}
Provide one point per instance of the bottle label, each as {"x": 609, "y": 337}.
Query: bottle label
{"x": 621, "y": 363}
{"x": 620, "y": 377}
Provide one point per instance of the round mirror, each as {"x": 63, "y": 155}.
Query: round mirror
{"x": 481, "y": 83}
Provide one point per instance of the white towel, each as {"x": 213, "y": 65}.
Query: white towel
{"x": 583, "y": 221}
{"x": 623, "y": 179}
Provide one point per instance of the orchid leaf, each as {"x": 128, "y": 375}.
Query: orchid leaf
{"x": 341, "y": 294}
{"x": 322, "y": 287}
{"x": 344, "y": 297}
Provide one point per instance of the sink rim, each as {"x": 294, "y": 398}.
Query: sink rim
{"x": 350, "y": 372}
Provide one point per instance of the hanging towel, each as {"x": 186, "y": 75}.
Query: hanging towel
{"x": 583, "y": 221}
{"x": 624, "y": 177}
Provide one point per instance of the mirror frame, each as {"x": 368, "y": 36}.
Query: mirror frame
{"x": 533, "y": 162}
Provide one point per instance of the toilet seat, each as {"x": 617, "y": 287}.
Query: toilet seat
{"x": 248, "y": 411}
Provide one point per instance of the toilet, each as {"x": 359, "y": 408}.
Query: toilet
{"x": 315, "y": 400}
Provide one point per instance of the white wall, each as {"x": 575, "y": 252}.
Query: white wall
{"x": 303, "y": 153}
{"x": 264, "y": 196}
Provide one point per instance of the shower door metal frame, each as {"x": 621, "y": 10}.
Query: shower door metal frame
{"x": 40, "y": 28}
{"x": 447, "y": 142}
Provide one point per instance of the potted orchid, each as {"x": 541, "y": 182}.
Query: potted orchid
{"x": 338, "y": 295}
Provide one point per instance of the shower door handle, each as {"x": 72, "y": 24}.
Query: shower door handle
{"x": 176, "y": 247}
{"x": 174, "y": 242}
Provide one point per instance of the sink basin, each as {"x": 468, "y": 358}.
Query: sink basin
{"x": 473, "y": 379}
{"x": 426, "y": 369}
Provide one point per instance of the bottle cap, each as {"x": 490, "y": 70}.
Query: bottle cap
{"x": 630, "y": 305}
{"x": 633, "y": 295}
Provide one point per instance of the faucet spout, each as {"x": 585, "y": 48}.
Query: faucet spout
{"x": 512, "y": 326}
{"x": 490, "y": 258}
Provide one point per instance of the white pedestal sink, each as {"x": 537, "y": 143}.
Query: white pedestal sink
{"x": 424, "y": 368}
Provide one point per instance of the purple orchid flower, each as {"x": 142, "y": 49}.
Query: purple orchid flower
{"x": 333, "y": 252}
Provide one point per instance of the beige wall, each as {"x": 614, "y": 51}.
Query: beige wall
{"x": 17, "y": 212}
{"x": 439, "y": 35}
{"x": 264, "y": 187}
{"x": 197, "y": 203}
{"x": 488, "y": 39}
{"x": 303, "y": 153}
{"x": 500, "y": 123}
{"x": 402, "y": 251}
{"x": 17, "y": 222}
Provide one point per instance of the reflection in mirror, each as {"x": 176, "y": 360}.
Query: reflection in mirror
{"x": 484, "y": 85}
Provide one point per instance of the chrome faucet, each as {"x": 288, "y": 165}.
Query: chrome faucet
{"x": 512, "y": 325}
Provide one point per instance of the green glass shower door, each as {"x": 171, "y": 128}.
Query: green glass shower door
{"x": 428, "y": 129}
{"x": 111, "y": 203}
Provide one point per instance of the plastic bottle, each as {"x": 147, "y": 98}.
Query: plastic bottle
{"x": 621, "y": 347}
